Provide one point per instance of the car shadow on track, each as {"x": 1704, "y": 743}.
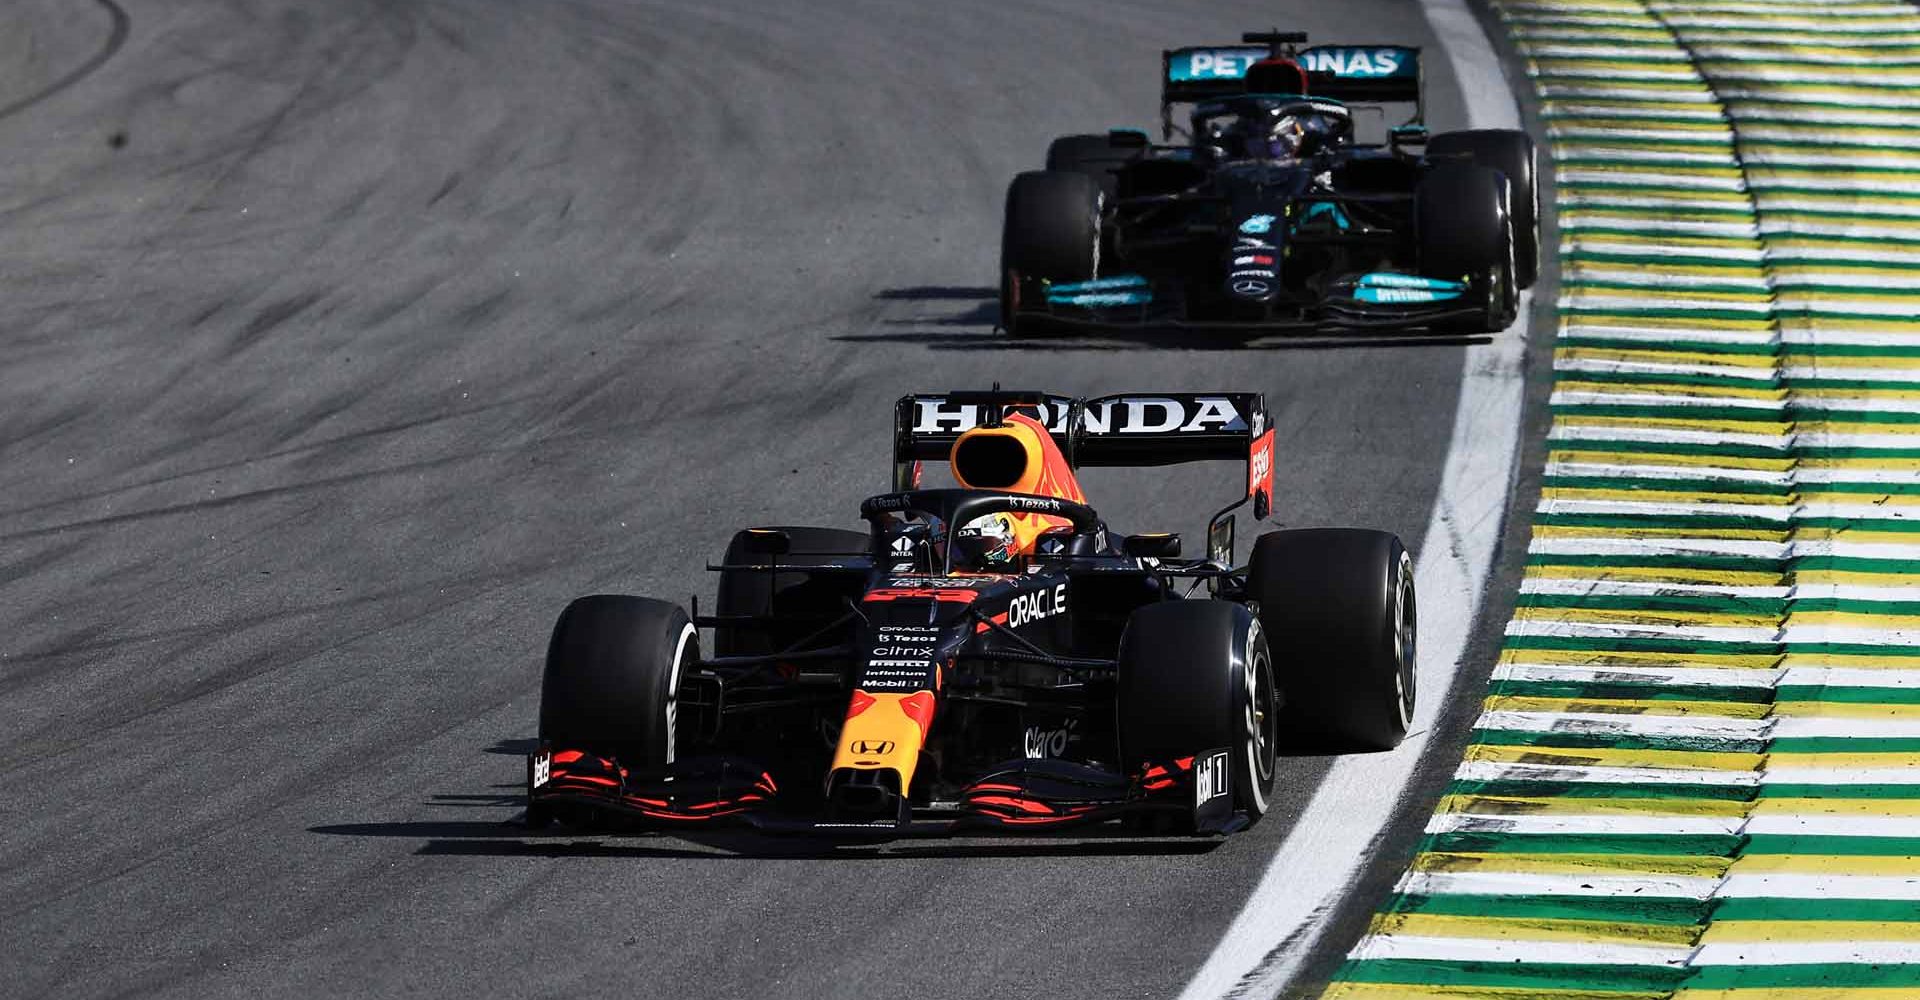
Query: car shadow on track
{"x": 944, "y": 333}
{"x": 510, "y": 838}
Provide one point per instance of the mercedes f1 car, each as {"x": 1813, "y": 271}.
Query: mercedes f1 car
{"x": 988, "y": 656}
{"x": 1271, "y": 216}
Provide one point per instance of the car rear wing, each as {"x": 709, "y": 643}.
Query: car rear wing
{"x": 1351, "y": 74}
{"x": 1121, "y": 430}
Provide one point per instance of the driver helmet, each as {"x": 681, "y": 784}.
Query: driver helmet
{"x": 1282, "y": 139}
{"x": 986, "y": 545}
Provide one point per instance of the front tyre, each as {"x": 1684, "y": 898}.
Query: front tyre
{"x": 612, "y": 679}
{"x": 1195, "y": 676}
{"x": 1510, "y": 152}
{"x": 1463, "y": 231}
{"x": 1051, "y": 233}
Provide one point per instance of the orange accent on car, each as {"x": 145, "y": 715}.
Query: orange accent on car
{"x": 921, "y": 594}
{"x": 1024, "y": 805}
{"x": 1045, "y": 473}
{"x": 885, "y": 729}
{"x": 1260, "y": 466}
{"x": 919, "y": 707}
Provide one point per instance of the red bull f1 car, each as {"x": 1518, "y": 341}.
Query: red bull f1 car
{"x": 1269, "y": 215}
{"x": 989, "y": 656}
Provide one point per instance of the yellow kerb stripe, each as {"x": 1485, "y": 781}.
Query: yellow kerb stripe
{"x": 1570, "y": 864}
{"x": 1733, "y": 931}
{"x": 1533, "y": 929}
{"x": 1719, "y": 534}
{"x": 1660, "y": 574}
{"x": 1836, "y": 807}
{"x": 1624, "y": 706}
{"x": 1829, "y": 864}
{"x": 1665, "y": 389}
{"x": 1414, "y": 991}
{"x": 1647, "y": 616}
{"x": 1610, "y": 757}
{"x": 1857, "y": 620}
{"x": 1518, "y": 805}
{"x": 1683, "y": 423}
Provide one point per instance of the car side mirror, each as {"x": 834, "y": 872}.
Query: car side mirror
{"x": 1054, "y": 543}
{"x": 1220, "y": 541}
{"x": 1160, "y": 545}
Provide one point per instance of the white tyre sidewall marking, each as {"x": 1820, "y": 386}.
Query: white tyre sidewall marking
{"x": 1099, "y": 231}
{"x": 688, "y": 636}
{"x": 1251, "y": 737}
{"x": 1404, "y": 701}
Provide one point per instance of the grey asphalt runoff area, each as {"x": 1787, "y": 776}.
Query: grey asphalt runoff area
{"x": 342, "y": 343}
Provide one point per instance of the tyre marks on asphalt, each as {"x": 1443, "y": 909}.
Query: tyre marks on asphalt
{"x": 1695, "y": 773}
{"x": 116, "y": 37}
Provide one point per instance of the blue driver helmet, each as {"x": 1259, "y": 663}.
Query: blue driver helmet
{"x": 1280, "y": 140}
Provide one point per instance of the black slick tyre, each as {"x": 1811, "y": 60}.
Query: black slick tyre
{"x": 1195, "y": 676}
{"x": 1464, "y": 233}
{"x": 1051, "y": 232}
{"x": 1338, "y": 607}
{"x": 1097, "y": 156}
{"x": 1511, "y": 152}
{"x": 612, "y": 677}
{"x": 792, "y": 595}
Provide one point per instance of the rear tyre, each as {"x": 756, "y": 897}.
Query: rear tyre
{"x": 613, "y": 674}
{"x": 1510, "y": 152}
{"x": 1051, "y": 232}
{"x": 798, "y": 596}
{"x": 1463, "y": 232}
{"x": 1194, "y": 676}
{"x": 1338, "y": 606}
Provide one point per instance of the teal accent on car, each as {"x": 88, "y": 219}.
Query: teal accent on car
{"x": 1119, "y": 290}
{"x": 1361, "y": 62}
{"x": 1405, "y": 289}
{"x": 1212, "y": 63}
{"x": 1118, "y": 281}
{"x": 1389, "y": 279}
{"x": 1320, "y": 208}
{"x": 1099, "y": 299}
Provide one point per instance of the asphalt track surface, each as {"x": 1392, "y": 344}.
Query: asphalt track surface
{"x": 341, "y": 344}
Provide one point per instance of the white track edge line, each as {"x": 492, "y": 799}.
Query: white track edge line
{"x": 1325, "y": 852}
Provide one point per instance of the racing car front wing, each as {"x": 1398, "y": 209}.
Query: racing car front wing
{"x": 1018, "y": 796}
{"x": 1373, "y": 301}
